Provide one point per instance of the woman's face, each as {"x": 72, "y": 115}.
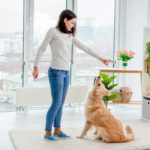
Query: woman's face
{"x": 70, "y": 23}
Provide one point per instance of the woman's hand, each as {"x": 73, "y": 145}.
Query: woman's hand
{"x": 35, "y": 72}
{"x": 106, "y": 61}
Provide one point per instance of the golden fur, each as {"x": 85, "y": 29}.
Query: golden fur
{"x": 109, "y": 128}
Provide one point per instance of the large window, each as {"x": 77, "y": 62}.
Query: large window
{"x": 96, "y": 29}
{"x": 11, "y": 39}
{"x": 46, "y": 13}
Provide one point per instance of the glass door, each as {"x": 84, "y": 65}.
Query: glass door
{"x": 46, "y": 13}
{"x": 11, "y": 47}
{"x": 96, "y": 29}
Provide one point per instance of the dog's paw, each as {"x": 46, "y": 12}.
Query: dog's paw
{"x": 98, "y": 138}
{"x": 79, "y": 137}
{"x": 95, "y": 132}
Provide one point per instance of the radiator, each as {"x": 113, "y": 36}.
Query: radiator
{"x": 40, "y": 96}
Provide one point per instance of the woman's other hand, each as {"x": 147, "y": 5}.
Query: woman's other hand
{"x": 35, "y": 72}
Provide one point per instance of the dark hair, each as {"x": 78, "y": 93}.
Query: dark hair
{"x": 68, "y": 14}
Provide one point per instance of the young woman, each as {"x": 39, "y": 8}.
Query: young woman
{"x": 60, "y": 40}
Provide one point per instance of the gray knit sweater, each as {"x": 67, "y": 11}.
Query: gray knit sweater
{"x": 61, "y": 45}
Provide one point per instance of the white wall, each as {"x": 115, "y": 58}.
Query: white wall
{"x": 134, "y": 17}
{"x": 136, "y": 20}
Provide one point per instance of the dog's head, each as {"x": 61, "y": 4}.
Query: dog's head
{"x": 99, "y": 89}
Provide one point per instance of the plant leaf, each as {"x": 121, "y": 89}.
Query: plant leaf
{"x": 105, "y": 79}
{"x": 112, "y": 96}
{"x": 112, "y": 86}
{"x": 113, "y": 77}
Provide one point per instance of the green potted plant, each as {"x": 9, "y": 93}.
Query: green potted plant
{"x": 109, "y": 84}
{"x": 147, "y": 51}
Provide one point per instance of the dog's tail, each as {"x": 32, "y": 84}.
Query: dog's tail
{"x": 129, "y": 133}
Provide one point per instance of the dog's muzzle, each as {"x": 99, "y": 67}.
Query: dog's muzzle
{"x": 99, "y": 77}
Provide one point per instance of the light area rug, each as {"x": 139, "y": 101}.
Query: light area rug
{"x": 33, "y": 140}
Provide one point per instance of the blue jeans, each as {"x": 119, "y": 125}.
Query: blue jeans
{"x": 59, "y": 82}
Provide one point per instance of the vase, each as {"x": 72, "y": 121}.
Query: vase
{"x": 124, "y": 64}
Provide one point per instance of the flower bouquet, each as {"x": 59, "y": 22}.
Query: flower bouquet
{"x": 125, "y": 56}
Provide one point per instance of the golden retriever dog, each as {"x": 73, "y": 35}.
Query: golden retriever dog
{"x": 109, "y": 128}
